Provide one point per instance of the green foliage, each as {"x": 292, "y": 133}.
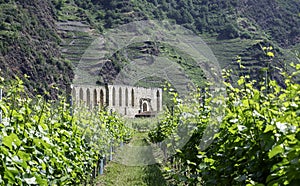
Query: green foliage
{"x": 43, "y": 144}
{"x": 28, "y": 44}
{"x": 257, "y": 142}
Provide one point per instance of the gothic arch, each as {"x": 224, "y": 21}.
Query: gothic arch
{"x": 126, "y": 97}
{"x": 120, "y": 96}
{"x": 80, "y": 94}
{"x": 73, "y": 94}
{"x": 132, "y": 97}
{"x": 88, "y": 97}
{"x": 145, "y": 107}
{"x": 101, "y": 98}
{"x": 107, "y": 99}
{"x": 158, "y": 100}
{"x": 113, "y": 96}
{"x": 95, "y": 97}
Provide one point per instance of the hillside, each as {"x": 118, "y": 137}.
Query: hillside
{"x": 276, "y": 20}
{"x": 46, "y": 40}
{"x": 29, "y": 45}
{"x": 231, "y": 28}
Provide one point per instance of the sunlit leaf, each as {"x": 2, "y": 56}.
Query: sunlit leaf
{"x": 276, "y": 150}
{"x": 10, "y": 140}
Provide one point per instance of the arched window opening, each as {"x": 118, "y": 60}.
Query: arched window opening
{"x": 95, "y": 98}
{"x": 158, "y": 100}
{"x": 107, "y": 98}
{"x": 81, "y": 94}
{"x": 126, "y": 97}
{"x": 132, "y": 97}
{"x": 101, "y": 98}
{"x": 145, "y": 107}
{"x": 120, "y": 96}
{"x": 114, "y": 96}
{"x": 88, "y": 97}
{"x": 73, "y": 95}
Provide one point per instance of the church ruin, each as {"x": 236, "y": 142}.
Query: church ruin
{"x": 128, "y": 101}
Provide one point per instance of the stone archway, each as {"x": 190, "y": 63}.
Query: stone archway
{"x": 101, "y": 98}
{"x": 158, "y": 100}
{"x": 126, "y": 97}
{"x": 95, "y": 98}
{"x": 81, "y": 95}
{"x": 132, "y": 98}
{"x": 120, "y": 96}
{"x": 145, "y": 107}
{"x": 113, "y": 96}
{"x": 88, "y": 97}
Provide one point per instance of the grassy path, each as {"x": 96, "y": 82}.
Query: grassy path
{"x": 131, "y": 166}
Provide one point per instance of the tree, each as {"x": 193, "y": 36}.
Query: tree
{"x": 230, "y": 31}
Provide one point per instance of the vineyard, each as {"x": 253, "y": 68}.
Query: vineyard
{"x": 256, "y": 142}
{"x": 49, "y": 142}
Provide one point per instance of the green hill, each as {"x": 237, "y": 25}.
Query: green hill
{"x": 46, "y": 40}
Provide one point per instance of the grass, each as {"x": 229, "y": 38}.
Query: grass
{"x": 142, "y": 124}
{"x": 121, "y": 175}
{"x": 129, "y": 173}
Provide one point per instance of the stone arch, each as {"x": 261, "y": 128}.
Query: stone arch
{"x": 132, "y": 97}
{"x": 120, "y": 96}
{"x": 88, "y": 97}
{"x": 73, "y": 94}
{"x": 113, "y": 96}
{"x": 145, "y": 107}
{"x": 126, "y": 97}
{"x": 101, "y": 98}
{"x": 158, "y": 100}
{"x": 95, "y": 97}
{"x": 107, "y": 99}
{"x": 81, "y": 94}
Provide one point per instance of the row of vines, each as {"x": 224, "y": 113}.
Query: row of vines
{"x": 257, "y": 142}
{"x": 46, "y": 142}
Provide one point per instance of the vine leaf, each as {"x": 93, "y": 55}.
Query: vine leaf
{"x": 10, "y": 140}
{"x": 276, "y": 150}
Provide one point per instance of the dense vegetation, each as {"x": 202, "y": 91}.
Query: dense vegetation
{"x": 29, "y": 45}
{"x": 48, "y": 143}
{"x": 230, "y": 27}
{"x": 226, "y": 18}
{"x": 257, "y": 142}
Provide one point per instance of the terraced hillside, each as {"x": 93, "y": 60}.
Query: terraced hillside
{"x": 230, "y": 28}
{"x": 78, "y": 38}
{"x": 46, "y": 40}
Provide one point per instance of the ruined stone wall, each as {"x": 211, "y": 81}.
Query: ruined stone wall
{"x": 125, "y": 100}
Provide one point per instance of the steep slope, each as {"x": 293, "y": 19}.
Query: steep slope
{"x": 227, "y": 18}
{"x": 231, "y": 28}
{"x": 279, "y": 19}
{"x": 29, "y": 45}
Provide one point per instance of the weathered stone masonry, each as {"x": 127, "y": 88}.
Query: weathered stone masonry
{"x": 126, "y": 100}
